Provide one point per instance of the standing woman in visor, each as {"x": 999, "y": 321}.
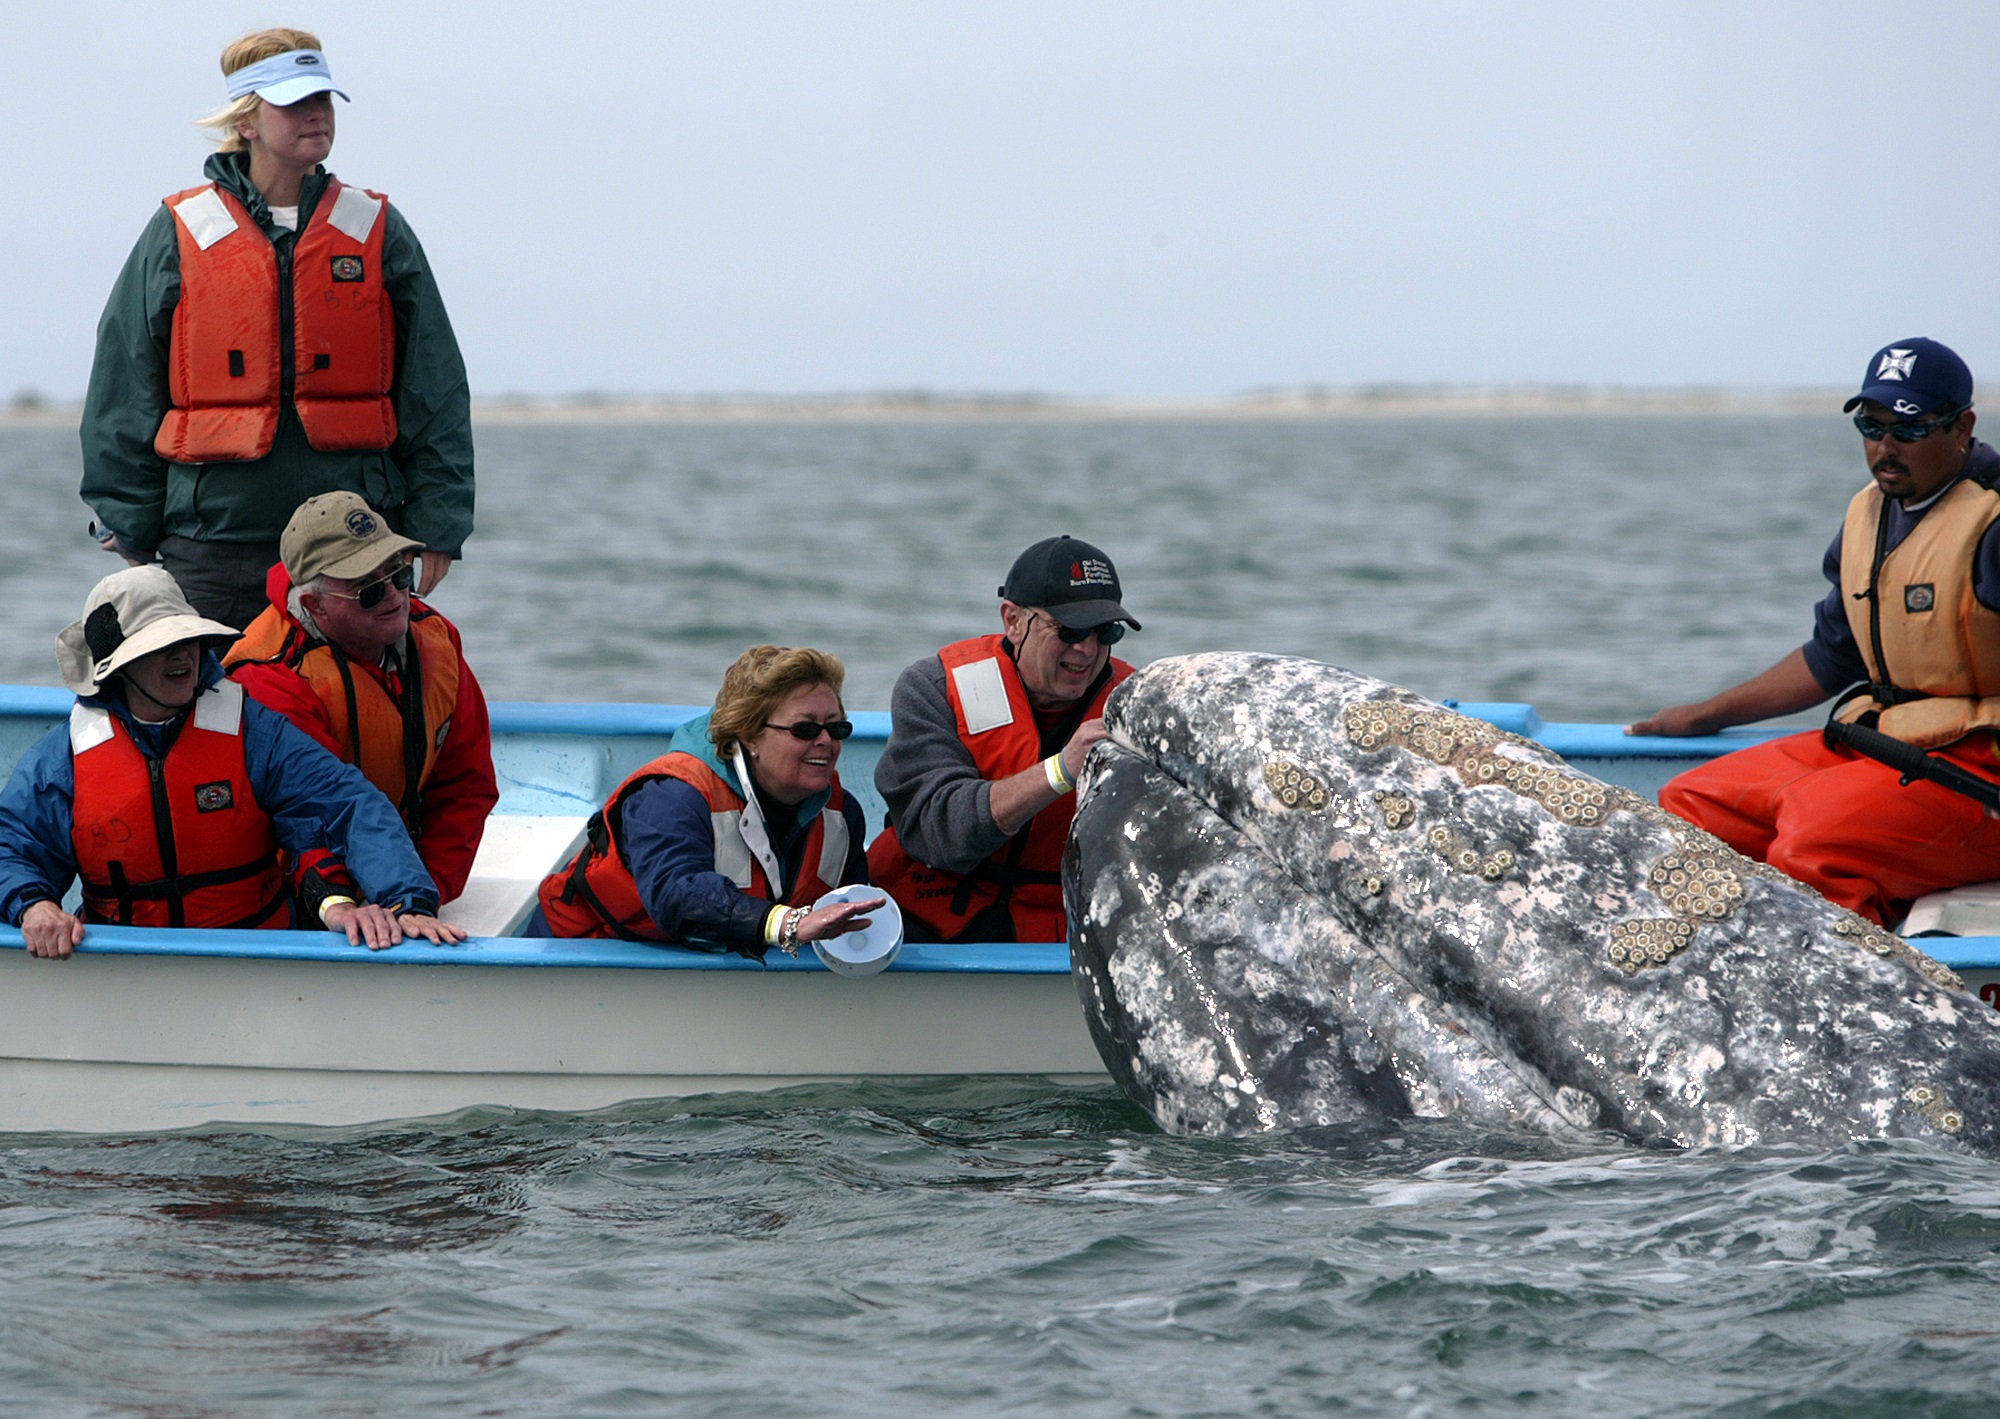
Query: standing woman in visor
{"x": 275, "y": 335}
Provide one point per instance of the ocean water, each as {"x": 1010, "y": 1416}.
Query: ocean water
{"x": 1596, "y": 567}
{"x": 998, "y": 1247}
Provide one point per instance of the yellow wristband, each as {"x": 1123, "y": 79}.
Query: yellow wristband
{"x": 773, "y": 924}
{"x": 1059, "y": 778}
{"x": 327, "y": 904}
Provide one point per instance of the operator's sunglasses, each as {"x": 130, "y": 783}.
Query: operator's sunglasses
{"x": 809, "y": 730}
{"x": 370, "y": 596}
{"x": 1110, "y": 633}
{"x": 1909, "y": 431}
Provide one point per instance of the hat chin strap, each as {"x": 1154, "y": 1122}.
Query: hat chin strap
{"x": 172, "y": 710}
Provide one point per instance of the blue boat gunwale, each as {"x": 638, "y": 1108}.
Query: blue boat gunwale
{"x": 966, "y": 958}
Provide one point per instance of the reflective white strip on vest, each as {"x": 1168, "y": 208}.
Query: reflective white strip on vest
{"x": 219, "y": 708}
{"x": 833, "y": 845}
{"x": 354, "y": 213}
{"x": 751, "y": 831}
{"x": 89, "y": 727}
{"x": 982, "y": 696}
{"x": 205, "y": 218}
{"x": 732, "y": 854}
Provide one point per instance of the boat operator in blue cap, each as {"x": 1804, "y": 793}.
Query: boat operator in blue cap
{"x": 986, "y": 740}
{"x": 1911, "y": 630}
{"x": 275, "y": 334}
{"x": 175, "y": 796}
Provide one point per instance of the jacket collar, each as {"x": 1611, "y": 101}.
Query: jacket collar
{"x": 231, "y": 172}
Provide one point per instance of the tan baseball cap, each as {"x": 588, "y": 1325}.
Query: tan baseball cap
{"x": 128, "y": 615}
{"x": 338, "y": 535}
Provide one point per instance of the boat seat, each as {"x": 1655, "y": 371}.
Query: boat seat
{"x": 517, "y": 851}
{"x": 1962, "y": 911}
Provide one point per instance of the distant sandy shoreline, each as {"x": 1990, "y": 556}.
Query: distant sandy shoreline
{"x": 1388, "y": 401}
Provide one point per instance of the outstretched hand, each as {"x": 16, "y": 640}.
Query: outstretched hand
{"x": 1677, "y": 722}
{"x": 838, "y": 920}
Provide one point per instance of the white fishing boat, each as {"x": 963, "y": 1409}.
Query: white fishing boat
{"x": 145, "y": 1030}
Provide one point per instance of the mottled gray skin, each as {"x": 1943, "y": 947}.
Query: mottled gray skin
{"x": 1299, "y": 896}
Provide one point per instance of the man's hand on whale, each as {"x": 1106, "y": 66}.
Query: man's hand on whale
{"x": 1018, "y": 798}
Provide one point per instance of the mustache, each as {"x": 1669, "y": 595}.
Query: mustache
{"x": 1888, "y": 465}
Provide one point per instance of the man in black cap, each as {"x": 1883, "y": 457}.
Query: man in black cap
{"x": 989, "y": 735}
{"x": 1912, "y": 625}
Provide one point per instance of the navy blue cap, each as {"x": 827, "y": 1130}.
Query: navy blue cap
{"x": 1071, "y": 580}
{"x": 1914, "y": 377}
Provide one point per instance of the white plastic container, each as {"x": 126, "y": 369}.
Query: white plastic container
{"x": 871, "y": 949}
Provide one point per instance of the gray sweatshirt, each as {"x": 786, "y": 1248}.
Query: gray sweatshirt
{"x": 942, "y": 809}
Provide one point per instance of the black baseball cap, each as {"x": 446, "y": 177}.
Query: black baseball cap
{"x": 1917, "y": 376}
{"x": 1071, "y": 580}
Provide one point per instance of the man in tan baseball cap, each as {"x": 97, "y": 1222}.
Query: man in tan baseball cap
{"x": 347, "y": 653}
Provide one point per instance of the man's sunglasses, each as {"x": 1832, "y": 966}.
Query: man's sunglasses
{"x": 809, "y": 730}
{"x": 1110, "y": 633}
{"x": 370, "y": 596}
{"x": 1909, "y": 431}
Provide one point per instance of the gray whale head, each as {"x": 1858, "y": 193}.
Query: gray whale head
{"x": 1300, "y": 897}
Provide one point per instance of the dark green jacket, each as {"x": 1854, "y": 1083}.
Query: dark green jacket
{"x": 423, "y": 484}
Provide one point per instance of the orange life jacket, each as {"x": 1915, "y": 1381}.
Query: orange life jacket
{"x": 595, "y": 894}
{"x": 225, "y": 359}
{"x": 178, "y": 841}
{"x": 394, "y": 744}
{"x": 997, "y": 724}
{"x": 1932, "y": 650}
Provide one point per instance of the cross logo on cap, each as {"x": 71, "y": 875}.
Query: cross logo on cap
{"x": 1896, "y": 364}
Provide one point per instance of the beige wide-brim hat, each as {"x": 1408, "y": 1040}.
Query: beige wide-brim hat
{"x": 128, "y": 615}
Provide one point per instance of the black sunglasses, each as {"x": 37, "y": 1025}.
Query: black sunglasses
{"x": 370, "y": 596}
{"x": 810, "y": 729}
{"x": 1909, "y": 431}
{"x": 1110, "y": 633}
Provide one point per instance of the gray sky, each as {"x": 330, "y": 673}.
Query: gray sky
{"x": 1144, "y": 199}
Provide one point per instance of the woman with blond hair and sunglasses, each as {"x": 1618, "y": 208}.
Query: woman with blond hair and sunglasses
{"x": 276, "y": 334}
{"x": 730, "y": 837}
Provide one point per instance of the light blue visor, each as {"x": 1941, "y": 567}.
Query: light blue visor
{"x": 285, "y": 78}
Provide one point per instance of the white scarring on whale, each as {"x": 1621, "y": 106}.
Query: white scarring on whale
{"x": 1299, "y": 896}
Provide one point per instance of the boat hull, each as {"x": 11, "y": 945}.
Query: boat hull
{"x": 114, "y": 1043}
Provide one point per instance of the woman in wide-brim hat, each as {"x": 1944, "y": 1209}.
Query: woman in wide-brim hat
{"x": 176, "y": 798}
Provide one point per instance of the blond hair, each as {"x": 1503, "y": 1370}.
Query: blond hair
{"x": 241, "y": 54}
{"x": 758, "y": 682}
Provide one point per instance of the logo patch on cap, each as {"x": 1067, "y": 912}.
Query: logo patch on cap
{"x": 348, "y": 268}
{"x": 1904, "y": 406}
{"x": 362, "y": 523}
{"x": 305, "y": 59}
{"x": 1920, "y": 597}
{"x": 1896, "y": 364}
{"x": 1091, "y": 572}
{"x": 213, "y": 797}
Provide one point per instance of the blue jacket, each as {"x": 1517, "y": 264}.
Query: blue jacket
{"x": 314, "y": 800}
{"x": 670, "y": 851}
